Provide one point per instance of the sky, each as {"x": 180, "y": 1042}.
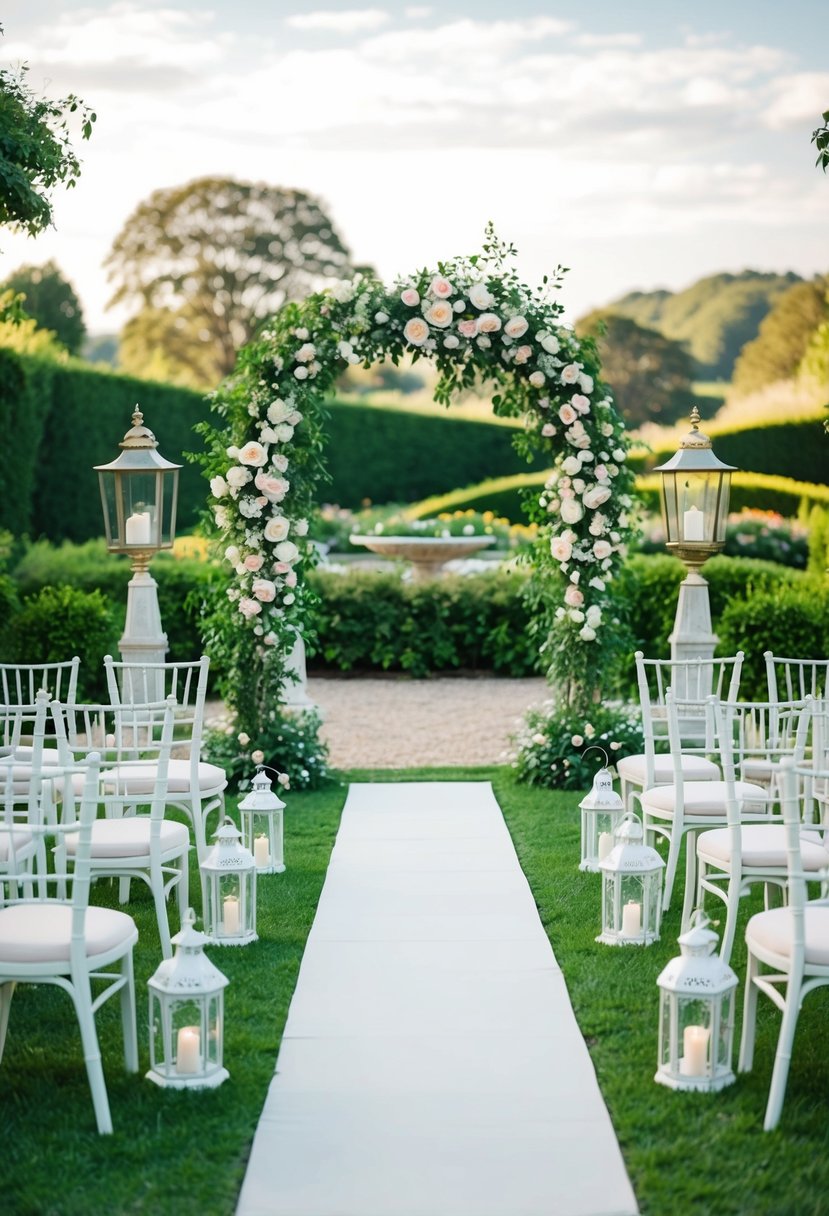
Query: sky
{"x": 642, "y": 145}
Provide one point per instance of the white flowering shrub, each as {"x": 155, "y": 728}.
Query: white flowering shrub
{"x": 479, "y": 325}
{"x": 552, "y": 748}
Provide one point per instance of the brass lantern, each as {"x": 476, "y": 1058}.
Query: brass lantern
{"x": 139, "y": 494}
{"x": 695, "y": 490}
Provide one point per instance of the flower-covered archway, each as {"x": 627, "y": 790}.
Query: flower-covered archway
{"x": 480, "y": 326}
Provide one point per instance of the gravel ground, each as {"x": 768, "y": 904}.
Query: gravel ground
{"x": 403, "y": 723}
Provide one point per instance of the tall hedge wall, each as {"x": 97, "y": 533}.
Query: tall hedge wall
{"x": 63, "y": 419}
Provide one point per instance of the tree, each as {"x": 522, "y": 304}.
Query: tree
{"x": 650, "y": 374}
{"x": 208, "y": 261}
{"x": 22, "y": 334}
{"x": 784, "y": 336}
{"x": 820, "y": 138}
{"x": 50, "y": 299}
{"x": 35, "y": 151}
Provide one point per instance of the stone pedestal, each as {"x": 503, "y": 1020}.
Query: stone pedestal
{"x": 295, "y": 690}
{"x": 143, "y": 640}
{"x": 693, "y": 636}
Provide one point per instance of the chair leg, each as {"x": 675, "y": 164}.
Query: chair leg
{"x": 128, "y": 1019}
{"x": 746, "y": 1059}
{"x": 690, "y": 879}
{"x": 6, "y": 994}
{"x": 671, "y": 866}
{"x": 783, "y": 1056}
{"x": 123, "y": 891}
{"x": 157, "y": 886}
{"x": 183, "y": 885}
{"x": 732, "y": 911}
{"x": 82, "y": 998}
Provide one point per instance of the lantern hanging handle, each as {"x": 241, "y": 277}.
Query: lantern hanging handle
{"x": 594, "y": 747}
{"x": 699, "y": 919}
{"x": 266, "y": 768}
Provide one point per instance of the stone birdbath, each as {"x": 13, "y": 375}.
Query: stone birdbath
{"x": 427, "y": 554}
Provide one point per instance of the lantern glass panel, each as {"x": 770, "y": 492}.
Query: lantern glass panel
{"x": 723, "y": 1046}
{"x": 695, "y": 505}
{"x": 186, "y": 1037}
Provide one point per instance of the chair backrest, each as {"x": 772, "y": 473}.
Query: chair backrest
{"x": 798, "y": 780}
{"x": 186, "y": 682}
{"x": 21, "y": 682}
{"x": 79, "y": 785}
{"x": 692, "y": 680}
{"x": 22, "y": 734}
{"x": 754, "y": 737}
{"x": 794, "y": 679}
{"x": 135, "y": 742}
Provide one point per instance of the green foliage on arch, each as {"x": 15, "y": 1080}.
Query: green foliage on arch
{"x": 479, "y": 324}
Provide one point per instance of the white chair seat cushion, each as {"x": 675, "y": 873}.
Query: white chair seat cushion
{"x": 763, "y": 845}
{"x": 771, "y": 932}
{"x": 17, "y": 840}
{"x": 48, "y": 755}
{"x": 704, "y": 798}
{"x": 130, "y": 837}
{"x": 633, "y": 769}
{"x": 758, "y": 768}
{"x": 137, "y": 779}
{"x": 40, "y": 933}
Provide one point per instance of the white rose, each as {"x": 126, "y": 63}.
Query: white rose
{"x": 232, "y": 554}
{"x": 277, "y": 528}
{"x": 253, "y": 454}
{"x": 594, "y": 616}
{"x": 551, "y": 344}
{"x": 516, "y": 327}
{"x": 278, "y": 411}
{"x": 480, "y": 296}
{"x": 587, "y": 634}
{"x": 305, "y": 353}
{"x": 596, "y": 496}
{"x": 302, "y": 334}
{"x": 344, "y": 349}
{"x": 602, "y": 549}
{"x": 489, "y": 323}
{"x": 561, "y": 549}
{"x": 381, "y": 317}
{"x": 570, "y": 373}
{"x": 440, "y": 314}
{"x": 571, "y": 510}
{"x": 451, "y": 341}
{"x": 301, "y": 372}
{"x": 287, "y": 551}
{"x": 284, "y": 432}
{"x": 301, "y": 527}
{"x": 238, "y": 477}
{"x": 232, "y": 452}
{"x": 279, "y": 462}
{"x": 218, "y": 487}
{"x": 586, "y": 383}
{"x": 537, "y": 379}
{"x": 571, "y": 465}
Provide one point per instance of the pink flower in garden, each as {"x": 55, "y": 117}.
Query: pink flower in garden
{"x": 279, "y": 462}
{"x": 253, "y": 454}
{"x": 290, "y": 578}
{"x": 305, "y": 353}
{"x": 488, "y": 323}
{"x": 281, "y": 568}
{"x": 467, "y": 329}
{"x": 274, "y": 488}
{"x": 595, "y": 496}
{"x": 249, "y": 607}
{"x": 522, "y": 354}
{"x": 410, "y": 297}
{"x": 440, "y": 314}
{"x": 602, "y": 549}
{"x": 276, "y": 529}
{"x": 570, "y": 373}
{"x": 567, "y": 414}
{"x": 548, "y": 430}
{"x": 561, "y": 549}
{"x": 264, "y": 590}
{"x": 253, "y": 562}
{"x": 441, "y": 287}
{"x": 516, "y": 327}
{"x": 573, "y": 597}
{"x": 416, "y": 331}
{"x": 580, "y": 402}
{"x": 601, "y": 473}
{"x": 537, "y": 379}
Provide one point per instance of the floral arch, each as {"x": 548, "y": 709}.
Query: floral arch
{"x": 478, "y": 324}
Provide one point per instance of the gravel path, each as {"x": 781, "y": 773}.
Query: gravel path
{"x": 403, "y": 723}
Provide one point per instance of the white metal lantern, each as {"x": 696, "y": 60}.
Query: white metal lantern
{"x": 696, "y": 1014}
{"x": 229, "y": 883}
{"x": 631, "y": 888}
{"x": 601, "y": 811}
{"x": 262, "y": 825}
{"x": 187, "y": 1016}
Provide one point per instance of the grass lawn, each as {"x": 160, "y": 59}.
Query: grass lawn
{"x": 185, "y": 1153}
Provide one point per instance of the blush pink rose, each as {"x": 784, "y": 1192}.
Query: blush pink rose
{"x": 488, "y": 323}
{"x": 522, "y": 354}
{"x": 440, "y": 314}
{"x": 569, "y": 374}
{"x": 416, "y": 331}
{"x": 516, "y": 327}
{"x": 548, "y": 430}
{"x": 561, "y": 549}
{"x": 580, "y": 402}
{"x": 264, "y": 590}
{"x": 602, "y": 549}
{"x": 467, "y": 329}
{"x": 410, "y": 297}
{"x": 253, "y": 562}
{"x": 281, "y": 568}
{"x": 274, "y": 488}
{"x": 441, "y": 287}
{"x": 276, "y": 529}
{"x": 291, "y": 578}
{"x": 249, "y": 607}
{"x": 567, "y": 414}
{"x": 573, "y": 597}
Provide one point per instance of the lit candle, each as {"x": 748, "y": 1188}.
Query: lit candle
{"x": 693, "y": 521}
{"x": 605, "y": 844}
{"x": 230, "y": 916}
{"x": 695, "y": 1045}
{"x": 631, "y": 919}
{"x": 138, "y": 528}
{"x": 189, "y": 1050}
{"x": 261, "y": 852}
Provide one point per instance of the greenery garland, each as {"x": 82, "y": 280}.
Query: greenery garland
{"x": 480, "y": 326}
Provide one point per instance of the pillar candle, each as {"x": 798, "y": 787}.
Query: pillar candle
{"x": 188, "y": 1049}
{"x": 230, "y": 916}
{"x": 695, "y": 1047}
{"x": 138, "y": 528}
{"x": 261, "y": 852}
{"x": 631, "y": 919}
{"x": 692, "y": 524}
{"x": 605, "y": 844}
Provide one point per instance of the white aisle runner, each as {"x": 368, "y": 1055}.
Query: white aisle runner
{"x": 431, "y": 1064}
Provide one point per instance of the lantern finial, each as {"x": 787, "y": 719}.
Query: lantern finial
{"x": 138, "y": 436}
{"x": 695, "y": 437}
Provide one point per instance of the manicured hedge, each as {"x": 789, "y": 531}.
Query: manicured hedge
{"x": 369, "y": 620}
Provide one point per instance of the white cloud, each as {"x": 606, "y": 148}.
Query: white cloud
{"x": 350, "y": 21}
{"x": 798, "y": 100}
